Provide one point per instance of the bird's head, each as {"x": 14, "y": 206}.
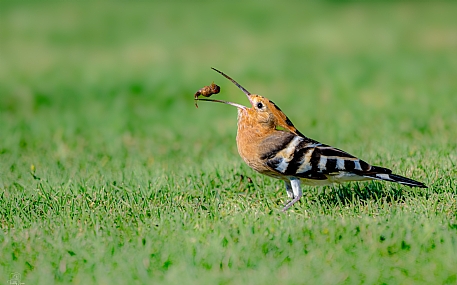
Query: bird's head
{"x": 262, "y": 113}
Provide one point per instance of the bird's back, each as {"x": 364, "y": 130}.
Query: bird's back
{"x": 283, "y": 154}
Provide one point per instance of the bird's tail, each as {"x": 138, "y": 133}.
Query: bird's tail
{"x": 381, "y": 173}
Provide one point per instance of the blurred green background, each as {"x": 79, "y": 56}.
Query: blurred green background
{"x": 94, "y": 95}
{"x": 126, "y": 71}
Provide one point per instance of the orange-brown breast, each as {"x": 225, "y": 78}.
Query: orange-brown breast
{"x": 249, "y": 137}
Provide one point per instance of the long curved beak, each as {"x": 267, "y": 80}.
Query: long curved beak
{"x": 234, "y": 82}
{"x": 225, "y": 102}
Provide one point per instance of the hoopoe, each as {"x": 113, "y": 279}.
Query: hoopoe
{"x": 269, "y": 143}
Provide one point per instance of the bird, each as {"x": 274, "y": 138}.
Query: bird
{"x": 270, "y": 144}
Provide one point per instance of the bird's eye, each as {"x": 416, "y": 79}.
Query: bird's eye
{"x": 259, "y": 105}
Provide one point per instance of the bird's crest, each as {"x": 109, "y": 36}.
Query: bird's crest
{"x": 262, "y": 110}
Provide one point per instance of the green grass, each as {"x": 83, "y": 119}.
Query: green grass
{"x": 110, "y": 175}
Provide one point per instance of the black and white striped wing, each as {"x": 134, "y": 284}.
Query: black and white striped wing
{"x": 301, "y": 157}
{"x": 313, "y": 160}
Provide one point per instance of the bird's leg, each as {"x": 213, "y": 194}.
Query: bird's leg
{"x": 289, "y": 190}
{"x": 296, "y": 191}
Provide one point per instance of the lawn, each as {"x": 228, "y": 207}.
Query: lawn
{"x": 110, "y": 175}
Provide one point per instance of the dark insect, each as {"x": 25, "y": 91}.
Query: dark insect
{"x": 207, "y": 91}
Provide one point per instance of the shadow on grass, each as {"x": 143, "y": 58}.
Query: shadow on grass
{"x": 348, "y": 194}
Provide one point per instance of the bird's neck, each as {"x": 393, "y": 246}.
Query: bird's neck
{"x": 249, "y": 136}
{"x": 250, "y": 129}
